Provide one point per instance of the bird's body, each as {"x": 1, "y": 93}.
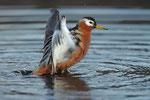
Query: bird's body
{"x": 64, "y": 48}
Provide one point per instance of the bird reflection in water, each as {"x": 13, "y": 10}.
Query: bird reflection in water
{"x": 67, "y": 87}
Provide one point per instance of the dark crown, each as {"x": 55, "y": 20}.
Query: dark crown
{"x": 90, "y": 18}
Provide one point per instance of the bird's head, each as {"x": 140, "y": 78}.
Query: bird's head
{"x": 90, "y": 23}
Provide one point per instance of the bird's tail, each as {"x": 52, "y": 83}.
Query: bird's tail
{"x": 42, "y": 69}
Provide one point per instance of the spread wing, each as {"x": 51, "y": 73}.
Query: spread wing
{"x": 50, "y": 27}
{"x": 57, "y": 40}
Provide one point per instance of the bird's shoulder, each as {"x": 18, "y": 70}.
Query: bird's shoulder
{"x": 74, "y": 30}
{"x": 74, "y": 33}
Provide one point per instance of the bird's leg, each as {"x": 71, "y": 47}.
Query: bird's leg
{"x": 65, "y": 71}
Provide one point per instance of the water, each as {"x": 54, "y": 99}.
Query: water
{"x": 117, "y": 66}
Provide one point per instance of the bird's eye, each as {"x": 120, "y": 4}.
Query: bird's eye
{"x": 91, "y": 22}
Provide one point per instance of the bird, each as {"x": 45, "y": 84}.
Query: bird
{"x": 64, "y": 47}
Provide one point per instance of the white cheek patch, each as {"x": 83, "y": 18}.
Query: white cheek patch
{"x": 87, "y": 22}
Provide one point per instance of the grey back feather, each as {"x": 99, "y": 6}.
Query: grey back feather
{"x": 52, "y": 21}
{"x": 50, "y": 27}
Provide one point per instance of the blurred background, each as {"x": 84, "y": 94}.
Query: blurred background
{"x": 56, "y": 3}
{"x": 116, "y": 67}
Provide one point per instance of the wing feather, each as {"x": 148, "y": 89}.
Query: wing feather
{"x": 61, "y": 43}
{"x": 57, "y": 40}
{"x": 50, "y": 27}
